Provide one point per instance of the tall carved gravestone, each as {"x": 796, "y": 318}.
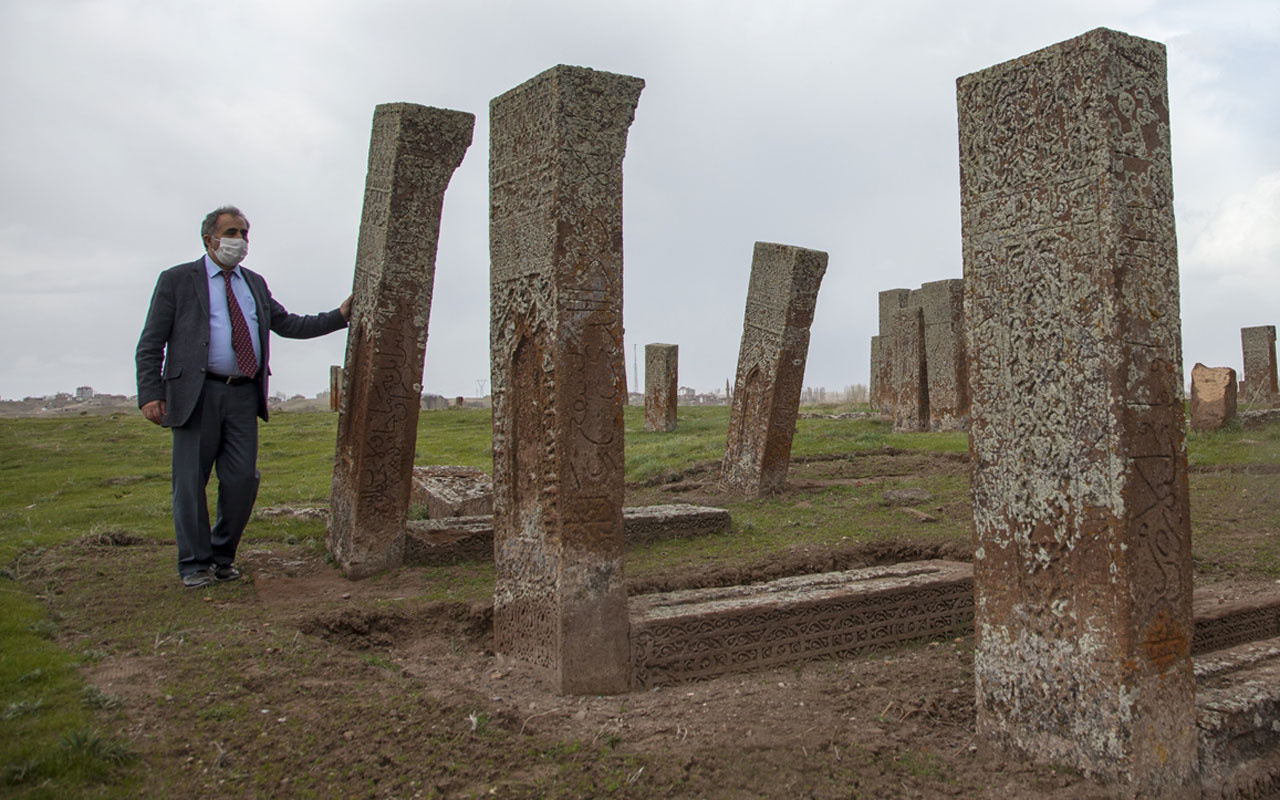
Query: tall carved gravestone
{"x": 775, "y": 344}
{"x": 1259, "y": 346}
{"x": 558, "y": 372}
{"x": 947, "y": 367}
{"x": 890, "y": 300}
{"x": 909, "y": 371}
{"x": 661, "y": 384}
{"x": 412, "y": 155}
{"x": 1082, "y": 561}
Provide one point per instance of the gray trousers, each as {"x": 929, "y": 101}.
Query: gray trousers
{"x": 222, "y": 431}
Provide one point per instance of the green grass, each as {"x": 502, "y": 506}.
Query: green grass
{"x": 100, "y": 479}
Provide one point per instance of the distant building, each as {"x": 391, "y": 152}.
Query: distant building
{"x": 84, "y": 392}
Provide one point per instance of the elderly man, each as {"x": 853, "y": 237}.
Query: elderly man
{"x": 202, "y": 371}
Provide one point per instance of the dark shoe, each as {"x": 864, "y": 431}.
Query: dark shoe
{"x": 226, "y": 572}
{"x": 197, "y": 579}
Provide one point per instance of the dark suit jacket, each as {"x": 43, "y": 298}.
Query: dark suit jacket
{"x": 173, "y": 351}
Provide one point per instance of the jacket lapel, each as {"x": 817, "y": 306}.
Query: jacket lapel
{"x": 200, "y": 281}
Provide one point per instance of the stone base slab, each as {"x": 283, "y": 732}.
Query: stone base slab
{"x": 436, "y": 542}
{"x": 1238, "y": 715}
{"x": 702, "y": 633}
{"x": 451, "y": 491}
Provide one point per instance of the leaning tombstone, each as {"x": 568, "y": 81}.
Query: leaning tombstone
{"x": 1082, "y": 562}
{"x": 1259, "y": 346}
{"x": 1213, "y": 397}
{"x": 558, "y": 374}
{"x": 661, "y": 384}
{"x": 781, "y": 298}
{"x": 412, "y": 155}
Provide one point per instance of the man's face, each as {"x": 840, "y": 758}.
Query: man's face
{"x": 229, "y": 226}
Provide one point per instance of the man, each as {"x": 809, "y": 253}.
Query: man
{"x": 202, "y": 371}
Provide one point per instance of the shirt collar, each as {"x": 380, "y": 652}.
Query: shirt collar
{"x": 212, "y": 269}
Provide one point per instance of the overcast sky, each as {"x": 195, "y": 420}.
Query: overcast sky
{"x": 829, "y": 125}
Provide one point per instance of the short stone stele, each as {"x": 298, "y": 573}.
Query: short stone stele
{"x": 558, "y": 375}
{"x": 1213, "y": 397}
{"x": 1259, "y": 347}
{"x": 412, "y": 155}
{"x": 661, "y": 384}
{"x": 1082, "y": 558}
{"x": 775, "y": 344}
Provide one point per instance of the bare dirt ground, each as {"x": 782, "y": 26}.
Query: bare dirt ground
{"x": 297, "y": 683}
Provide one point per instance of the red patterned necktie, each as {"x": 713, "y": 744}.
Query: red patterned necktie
{"x": 241, "y": 341}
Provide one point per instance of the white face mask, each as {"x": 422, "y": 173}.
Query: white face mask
{"x": 231, "y": 252}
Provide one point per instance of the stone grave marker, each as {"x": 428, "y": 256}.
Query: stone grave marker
{"x": 412, "y": 155}
{"x": 660, "y": 386}
{"x": 1082, "y": 563}
{"x": 558, "y": 375}
{"x": 775, "y": 344}
{"x": 1259, "y": 346}
{"x": 1213, "y": 397}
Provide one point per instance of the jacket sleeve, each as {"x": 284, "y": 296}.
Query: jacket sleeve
{"x": 297, "y": 326}
{"x": 156, "y": 332}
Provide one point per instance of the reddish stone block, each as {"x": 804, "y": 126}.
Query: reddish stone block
{"x": 1213, "y": 397}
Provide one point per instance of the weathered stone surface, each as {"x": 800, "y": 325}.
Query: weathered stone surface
{"x": 1238, "y": 716}
{"x": 335, "y": 387}
{"x": 1259, "y": 346}
{"x": 661, "y": 384}
{"x": 890, "y": 301}
{"x": 1082, "y": 561}
{"x": 449, "y": 491}
{"x": 908, "y": 374}
{"x": 558, "y": 374}
{"x": 702, "y": 633}
{"x": 1213, "y": 397}
{"x": 905, "y": 497}
{"x": 435, "y": 542}
{"x": 412, "y": 155}
{"x": 877, "y": 366}
{"x": 775, "y": 344}
{"x": 1222, "y": 622}
{"x": 946, "y": 365}
{"x": 645, "y": 524}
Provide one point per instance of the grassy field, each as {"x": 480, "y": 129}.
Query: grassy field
{"x": 80, "y": 482}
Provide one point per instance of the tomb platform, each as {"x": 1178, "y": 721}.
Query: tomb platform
{"x": 436, "y": 542}
{"x": 1238, "y": 717}
{"x": 703, "y": 633}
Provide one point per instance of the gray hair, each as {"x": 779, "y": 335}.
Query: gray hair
{"x": 210, "y": 219}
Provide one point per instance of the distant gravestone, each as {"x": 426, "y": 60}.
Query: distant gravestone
{"x": 909, "y": 374}
{"x": 335, "y": 388}
{"x": 661, "y": 363}
{"x": 1082, "y": 561}
{"x": 1259, "y": 346}
{"x": 1213, "y": 397}
{"x": 946, "y": 365}
{"x": 558, "y": 375}
{"x": 775, "y": 345}
{"x": 412, "y": 155}
{"x": 889, "y": 302}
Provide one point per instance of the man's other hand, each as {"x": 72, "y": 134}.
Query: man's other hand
{"x": 345, "y": 308}
{"x": 154, "y": 411}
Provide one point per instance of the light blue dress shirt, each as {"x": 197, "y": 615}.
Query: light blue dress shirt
{"x": 222, "y": 358}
